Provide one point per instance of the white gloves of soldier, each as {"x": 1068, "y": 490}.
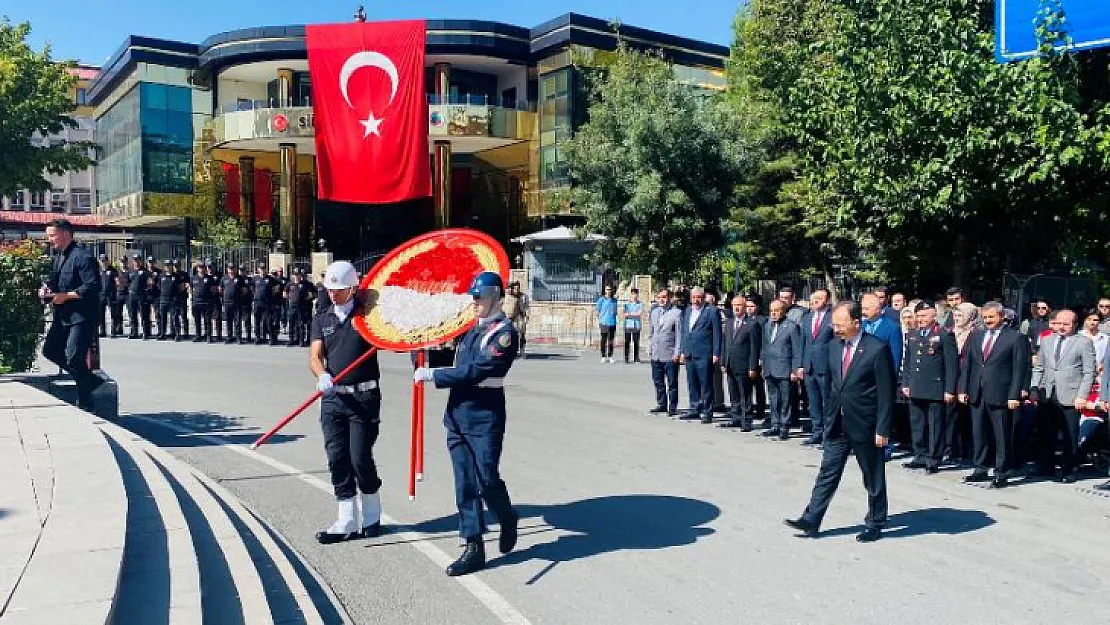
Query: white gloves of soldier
{"x": 423, "y": 374}
{"x": 324, "y": 384}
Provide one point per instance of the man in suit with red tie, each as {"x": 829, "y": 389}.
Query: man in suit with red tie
{"x": 997, "y": 372}
{"x": 743, "y": 342}
{"x": 817, "y": 334}
{"x": 857, "y": 420}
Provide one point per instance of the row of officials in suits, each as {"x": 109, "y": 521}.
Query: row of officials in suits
{"x": 980, "y": 394}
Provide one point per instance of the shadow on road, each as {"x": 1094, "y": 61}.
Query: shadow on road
{"x": 948, "y": 521}
{"x": 228, "y": 429}
{"x": 604, "y": 525}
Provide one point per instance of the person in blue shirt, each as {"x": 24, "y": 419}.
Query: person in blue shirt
{"x": 633, "y": 313}
{"x": 607, "y": 320}
{"x": 880, "y": 326}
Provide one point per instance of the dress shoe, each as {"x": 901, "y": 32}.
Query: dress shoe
{"x": 229, "y": 342}
{"x": 812, "y": 440}
{"x": 784, "y": 435}
{"x": 766, "y": 423}
{"x": 198, "y": 339}
{"x": 746, "y": 426}
{"x": 978, "y": 476}
{"x": 732, "y": 425}
{"x": 708, "y": 418}
{"x": 807, "y": 529}
{"x": 473, "y": 559}
{"x": 689, "y": 416}
{"x": 507, "y": 541}
{"x": 931, "y": 470}
{"x": 914, "y": 464}
{"x": 672, "y": 413}
{"x": 769, "y": 433}
{"x": 1068, "y": 479}
{"x": 326, "y": 538}
{"x": 373, "y": 531}
{"x": 869, "y": 535}
{"x": 1105, "y": 486}
{"x": 657, "y": 410}
{"x": 999, "y": 482}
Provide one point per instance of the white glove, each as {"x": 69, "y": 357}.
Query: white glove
{"x": 423, "y": 374}
{"x": 324, "y": 384}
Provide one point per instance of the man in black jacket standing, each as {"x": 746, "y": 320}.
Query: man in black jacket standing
{"x": 857, "y": 420}
{"x": 74, "y": 289}
{"x": 930, "y": 364}
{"x": 743, "y": 343}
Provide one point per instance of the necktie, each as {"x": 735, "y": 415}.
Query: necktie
{"x": 816, "y": 323}
{"x": 847, "y": 360}
{"x": 774, "y": 331}
{"x": 923, "y": 333}
{"x": 1059, "y": 346}
{"x": 990, "y": 345}
{"x": 739, "y": 323}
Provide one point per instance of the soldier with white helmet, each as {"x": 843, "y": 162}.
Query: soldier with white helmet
{"x": 350, "y": 410}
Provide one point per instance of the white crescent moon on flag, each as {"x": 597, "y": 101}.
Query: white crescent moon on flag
{"x": 368, "y": 58}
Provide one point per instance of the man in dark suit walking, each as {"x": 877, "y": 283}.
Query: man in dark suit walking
{"x": 929, "y": 374}
{"x": 857, "y": 420}
{"x": 997, "y": 371}
{"x": 816, "y": 335}
{"x": 782, "y": 365}
{"x": 74, "y": 289}
{"x": 700, "y": 346}
{"x": 743, "y": 342}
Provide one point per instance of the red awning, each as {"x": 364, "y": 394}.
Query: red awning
{"x": 41, "y": 218}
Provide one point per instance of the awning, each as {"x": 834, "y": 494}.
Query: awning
{"x": 39, "y": 218}
{"x": 146, "y": 221}
{"x": 562, "y": 233}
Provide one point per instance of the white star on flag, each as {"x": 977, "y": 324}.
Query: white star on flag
{"x": 371, "y": 125}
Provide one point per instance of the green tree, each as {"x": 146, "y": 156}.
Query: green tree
{"x": 655, "y": 167}
{"x": 35, "y": 100}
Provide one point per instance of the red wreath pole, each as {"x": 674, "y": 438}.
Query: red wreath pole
{"x": 418, "y": 401}
{"x": 412, "y": 448}
{"x": 311, "y": 400}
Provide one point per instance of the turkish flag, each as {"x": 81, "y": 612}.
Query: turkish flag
{"x": 370, "y": 112}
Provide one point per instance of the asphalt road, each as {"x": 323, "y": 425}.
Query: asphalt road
{"x": 626, "y": 518}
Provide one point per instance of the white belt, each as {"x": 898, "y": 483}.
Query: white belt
{"x": 492, "y": 383}
{"x": 357, "y": 388}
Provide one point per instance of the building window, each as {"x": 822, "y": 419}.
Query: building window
{"x": 59, "y": 200}
{"x": 555, "y": 125}
{"x": 18, "y": 199}
{"x": 38, "y": 201}
{"x": 82, "y": 200}
{"x": 82, "y": 96}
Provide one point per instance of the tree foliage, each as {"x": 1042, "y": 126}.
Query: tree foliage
{"x": 22, "y": 267}
{"x": 35, "y": 101}
{"x": 655, "y": 167}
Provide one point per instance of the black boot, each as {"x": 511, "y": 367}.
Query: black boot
{"x": 508, "y": 533}
{"x": 472, "y": 560}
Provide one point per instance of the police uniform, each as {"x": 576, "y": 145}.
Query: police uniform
{"x": 300, "y": 312}
{"x": 119, "y": 300}
{"x": 243, "y": 306}
{"x": 200, "y": 285}
{"x": 215, "y": 310}
{"x": 181, "y": 303}
{"x": 929, "y": 370}
{"x": 108, "y": 275}
{"x": 139, "y": 315}
{"x": 283, "y": 299}
{"x": 475, "y": 421}
{"x": 349, "y": 416}
{"x": 151, "y": 298}
{"x": 263, "y": 288}
{"x": 277, "y": 304}
{"x": 229, "y": 304}
{"x": 167, "y": 291}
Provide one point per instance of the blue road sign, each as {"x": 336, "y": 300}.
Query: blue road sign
{"x": 1088, "y": 25}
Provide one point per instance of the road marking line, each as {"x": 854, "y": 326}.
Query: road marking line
{"x": 490, "y": 598}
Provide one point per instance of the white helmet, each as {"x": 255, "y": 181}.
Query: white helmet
{"x": 340, "y": 275}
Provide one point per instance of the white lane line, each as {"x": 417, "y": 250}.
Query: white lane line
{"x": 490, "y": 598}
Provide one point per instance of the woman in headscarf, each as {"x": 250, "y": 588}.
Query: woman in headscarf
{"x": 966, "y": 320}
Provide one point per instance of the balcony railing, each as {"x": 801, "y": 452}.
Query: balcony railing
{"x": 465, "y": 99}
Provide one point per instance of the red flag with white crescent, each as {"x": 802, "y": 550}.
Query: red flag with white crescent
{"x": 370, "y": 112}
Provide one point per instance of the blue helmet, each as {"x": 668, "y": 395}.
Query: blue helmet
{"x": 485, "y": 282}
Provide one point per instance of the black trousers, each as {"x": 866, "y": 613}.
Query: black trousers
{"x": 67, "y": 347}
{"x": 927, "y": 430}
{"x": 992, "y": 429}
{"x": 243, "y": 316}
{"x": 102, "y": 326}
{"x": 872, "y": 463}
{"x": 760, "y": 385}
{"x": 181, "y": 316}
{"x": 630, "y": 337}
{"x": 202, "y": 317}
{"x": 350, "y": 424}
{"x": 117, "y": 318}
{"x": 217, "y": 313}
{"x": 958, "y": 438}
{"x": 139, "y": 315}
{"x": 740, "y": 394}
{"x": 780, "y": 392}
{"x": 608, "y": 333}
{"x": 476, "y": 463}
{"x": 299, "y": 320}
{"x": 275, "y": 323}
{"x": 261, "y": 312}
{"x": 664, "y": 375}
{"x": 234, "y": 323}
{"x": 167, "y": 320}
{"x": 1060, "y": 418}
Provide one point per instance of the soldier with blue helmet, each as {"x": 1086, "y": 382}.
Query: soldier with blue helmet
{"x": 475, "y": 421}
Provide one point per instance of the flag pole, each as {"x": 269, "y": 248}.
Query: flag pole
{"x": 418, "y": 401}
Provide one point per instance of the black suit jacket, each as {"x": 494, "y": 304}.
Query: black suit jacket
{"x": 1003, "y": 375}
{"x": 862, "y": 402}
{"x": 742, "y": 348}
{"x": 75, "y": 270}
{"x": 930, "y": 365}
{"x": 814, "y": 350}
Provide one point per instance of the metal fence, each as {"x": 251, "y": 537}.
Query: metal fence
{"x": 249, "y": 255}
{"x": 364, "y": 264}
{"x": 115, "y": 249}
{"x": 566, "y": 278}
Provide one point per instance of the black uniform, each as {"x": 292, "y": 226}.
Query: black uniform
{"x": 73, "y": 329}
{"x": 243, "y": 303}
{"x": 323, "y": 298}
{"x": 350, "y": 416}
{"x": 300, "y": 312}
{"x": 107, "y": 295}
{"x": 263, "y": 291}
{"x": 138, "y": 281}
{"x": 119, "y": 300}
{"x": 201, "y": 287}
{"x": 168, "y": 288}
{"x": 230, "y": 292}
{"x": 930, "y": 365}
{"x": 277, "y": 305}
{"x": 181, "y": 304}
{"x": 283, "y": 300}
{"x": 151, "y": 299}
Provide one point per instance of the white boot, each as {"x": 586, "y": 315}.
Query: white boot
{"x": 371, "y": 514}
{"x": 345, "y": 522}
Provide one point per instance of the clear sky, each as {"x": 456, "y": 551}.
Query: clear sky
{"x": 91, "y": 30}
